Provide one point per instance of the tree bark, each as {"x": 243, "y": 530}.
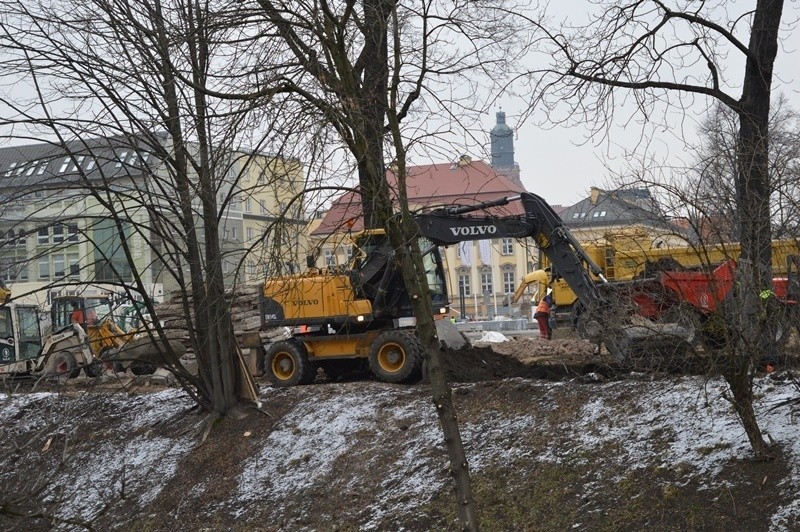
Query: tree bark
{"x": 753, "y": 201}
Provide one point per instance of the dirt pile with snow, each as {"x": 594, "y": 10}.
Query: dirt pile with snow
{"x": 639, "y": 452}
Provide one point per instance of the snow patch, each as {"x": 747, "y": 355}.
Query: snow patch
{"x": 493, "y": 337}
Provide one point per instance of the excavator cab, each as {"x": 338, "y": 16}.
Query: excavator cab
{"x": 375, "y": 275}
{"x": 94, "y": 314}
{"x": 20, "y": 337}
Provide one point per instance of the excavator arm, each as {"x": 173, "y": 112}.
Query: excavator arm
{"x": 5, "y": 293}
{"x": 600, "y": 317}
{"x": 451, "y": 225}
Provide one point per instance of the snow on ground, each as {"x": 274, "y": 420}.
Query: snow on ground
{"x": 92, "y": 477}
{"x": 316, "y": 437}
{"x": 312, "y": 444}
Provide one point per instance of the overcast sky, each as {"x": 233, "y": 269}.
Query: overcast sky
{"x": 560, "y": 165}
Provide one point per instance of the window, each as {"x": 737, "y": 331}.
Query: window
{"x": 507, "y": 246}
{"x": 22, "y": 271}
{"x": 73, "y": 265}
{"x": 58, "y": 234}
{"x": 248, "y": 205}
{"x": 72, "y": 230}
{"x": 463, "y": 284}
{"x": 11, "y": 169}
{"x": 7, "y": 269}
{"x": 250, "y": 234}
{"x": 64, "y": 165}
{"x": 486, "y": 281}
{"x": 12, "y": 269}
{"x": 58, "y": 266}
{"x": 122, "y": 155}
{"x": 596, "y": 214}
{"x": 262, "y": 206}
{"x": 44, "y": 268}
{"x": 225, "y": 267}
{"x": 509, "y": 280}
{"x": 44, "y": 236}
{"x": 576, "y": 215}
{"x": 251, "y": 269}
{"x": 32, "y": 167}
{"x": 235, "y": 233}
{"x": 330, "y": 258}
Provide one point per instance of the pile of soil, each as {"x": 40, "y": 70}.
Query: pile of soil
{"x": 557, "y": 359}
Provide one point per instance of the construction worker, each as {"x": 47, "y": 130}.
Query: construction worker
{"x": 772, "y": 357}
{"x": 542, "y": 316}
{"x": 77, "y": 314}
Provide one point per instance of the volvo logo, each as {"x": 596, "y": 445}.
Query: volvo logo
{"x": 304, "y": 302}
{"x": 474, "y": 230}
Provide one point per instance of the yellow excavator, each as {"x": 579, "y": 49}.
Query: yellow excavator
{"x": 362, "y": 316}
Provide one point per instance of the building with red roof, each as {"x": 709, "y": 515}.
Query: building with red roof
{"x": 481, "y": 274}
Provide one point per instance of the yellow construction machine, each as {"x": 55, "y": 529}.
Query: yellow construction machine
{"x": 631, "y": 256}
{"x": 361, "y": 315}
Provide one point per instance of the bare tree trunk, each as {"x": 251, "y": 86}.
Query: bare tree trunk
{"x": 753, "y": 200}
{"x": 403, "y": 233}
{"x": 220, "y": 343}
{"x": 372, "y": 105}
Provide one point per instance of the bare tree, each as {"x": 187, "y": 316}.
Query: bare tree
{"x": 715, "y": 170}
{"x": 361, "y": 67}
{"x": 664, "y": 57}
{"x": 130, "y": 86}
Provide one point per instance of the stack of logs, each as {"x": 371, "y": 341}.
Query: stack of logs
{"x": 245, "y": 313}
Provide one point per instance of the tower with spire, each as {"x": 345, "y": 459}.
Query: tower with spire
{"x": 502, "y": 145}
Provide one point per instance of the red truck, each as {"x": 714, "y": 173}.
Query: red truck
{"x": 701, "y": 300}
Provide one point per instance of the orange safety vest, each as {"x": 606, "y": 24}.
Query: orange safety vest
{"x": 543, "y": 307}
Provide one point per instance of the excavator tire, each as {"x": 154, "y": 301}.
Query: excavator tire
{"x": 62, "y": 366}
{"x": 396, "y": 356}
{"x": 286, "y": 364}
{"x": 99, "y": 365}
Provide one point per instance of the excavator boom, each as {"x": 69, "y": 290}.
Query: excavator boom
{"x": 5, "y": 293}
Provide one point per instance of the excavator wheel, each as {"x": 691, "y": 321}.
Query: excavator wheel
{"x": 286, "y": 364}
{"x": 396, "y": 356}
{"x": 62, "y": 366}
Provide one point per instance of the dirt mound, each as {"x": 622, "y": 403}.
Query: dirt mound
{"x": 529, "y": 358}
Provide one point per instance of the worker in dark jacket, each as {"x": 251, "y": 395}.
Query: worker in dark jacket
{"x": 542, "y": 316}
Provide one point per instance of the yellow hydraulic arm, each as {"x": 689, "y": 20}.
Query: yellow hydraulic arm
{"x": 5, "y": 293}
{"x": 536, "y": 276}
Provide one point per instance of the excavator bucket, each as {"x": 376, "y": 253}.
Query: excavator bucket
{"x": 450, "y": 335}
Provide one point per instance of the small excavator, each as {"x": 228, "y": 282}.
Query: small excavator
{"x": 84, "y": 337}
